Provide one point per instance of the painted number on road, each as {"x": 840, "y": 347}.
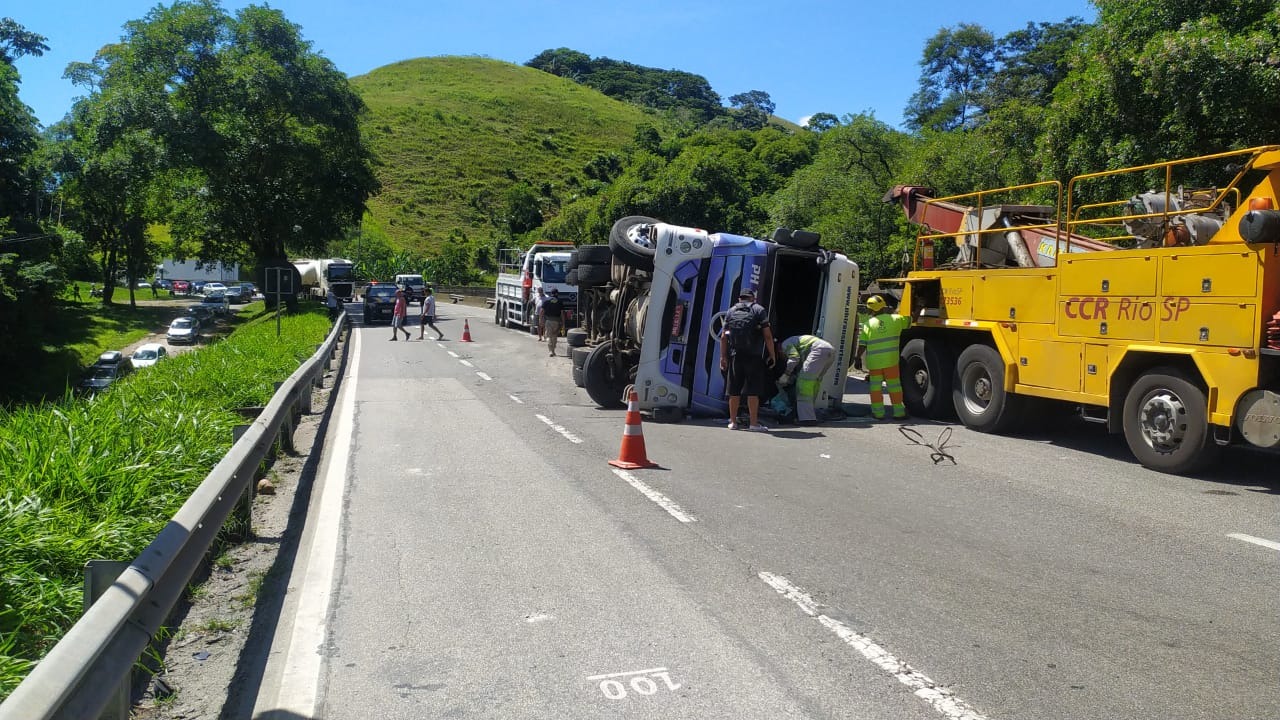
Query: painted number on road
{"x": 617, "y": 686}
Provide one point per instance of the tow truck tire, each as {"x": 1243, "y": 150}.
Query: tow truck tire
{"x": 977, "y": 391}
{"x": 926, "y": 369}
{"x": 594, "y": 255}
{"x": 629, "y": 245}
{"x": 592, "y": 275}
{"x": 601, "y": 379}
{"x": 1166, "y": 423}
{"x": 575, "y": 337}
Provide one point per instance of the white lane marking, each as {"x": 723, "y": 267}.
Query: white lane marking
{"x": 624, "y": 674}
{"x": 560, "y": 429}
{"x": 483, "y": 376}
{"x": 662, "y": 500}
{"x": 453, "y": 354}
{"x": 313, "y": 580}
{"x": 1255, "y": 540}
{"x": 921, "y": 686}
{"x": 440, "y": 345}
{"x": 464, "y": 362}
{"x": 518, "y": 400}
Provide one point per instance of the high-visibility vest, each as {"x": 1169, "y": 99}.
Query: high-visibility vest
{"x": 798, "y": 346}
{"x": 880, "y": 336}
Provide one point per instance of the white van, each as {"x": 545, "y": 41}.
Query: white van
{"x": 413, "y": 285}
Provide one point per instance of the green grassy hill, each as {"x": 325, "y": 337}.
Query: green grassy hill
{"x": 453, "y": 134}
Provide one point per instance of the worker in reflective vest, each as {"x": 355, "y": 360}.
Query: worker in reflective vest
{"x": 808, "y": 359}
{"x": 879, "y": 351}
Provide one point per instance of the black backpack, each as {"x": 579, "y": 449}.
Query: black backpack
{"x": 744, "y": 332}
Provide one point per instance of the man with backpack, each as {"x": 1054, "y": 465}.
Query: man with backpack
{"x": 743, "y": 342}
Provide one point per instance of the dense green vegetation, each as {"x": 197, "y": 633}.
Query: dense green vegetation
{"x": 97, "y": 480}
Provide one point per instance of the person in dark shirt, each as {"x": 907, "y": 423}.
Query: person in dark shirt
{"x": 743, "y": 358}
{"x": 552, "y": 318}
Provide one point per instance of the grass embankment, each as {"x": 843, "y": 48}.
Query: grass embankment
{"x": 83, "y": 329}
{"x": 97, "y": 479}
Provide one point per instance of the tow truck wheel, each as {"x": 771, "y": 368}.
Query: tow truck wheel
{"x": 1166, "y": 423}
{"x": 603, "y": 381}
{"x": 926, "y": 369}
{"x": 631, "y": 243}
{"x": 978, "y": 391}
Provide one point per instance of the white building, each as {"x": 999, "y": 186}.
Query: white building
{"x": 215, "y": 271}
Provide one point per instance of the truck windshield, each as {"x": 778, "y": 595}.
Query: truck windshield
{"x": 553, "y": 271}
{"x": 341, "y": 272}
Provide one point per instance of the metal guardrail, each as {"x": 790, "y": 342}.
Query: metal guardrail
{"x": 78, "y": 677}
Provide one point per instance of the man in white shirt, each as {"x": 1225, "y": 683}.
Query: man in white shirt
{"x": 428, "y": 315}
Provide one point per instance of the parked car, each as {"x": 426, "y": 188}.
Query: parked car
{"x": 149, "y": 354}
{"x": 164, "y": 284}
{"x": 184, "y": 330}
{"x": 237, "y": 295}
{"x": 218, "y": 303}
{"x": 379, "y": 302}
{"x": 181, "y": 287}
{"x": 110, "y": 367}
{"x": 197, "y": 286}
{"x": 250, "y": 288}
{"x": 213, "y": 288}
{"x": 201, "y": 313}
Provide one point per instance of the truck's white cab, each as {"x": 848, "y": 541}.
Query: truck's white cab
{"x": 521, "y": 273}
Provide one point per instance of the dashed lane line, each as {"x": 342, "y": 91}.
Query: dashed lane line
{"x": 560, "y": 429}
{"x": 1255, "y": 540}
{"x": 464, "y": 362}
{"x": 517, "y": 400}
{"x": 483, "y": 376}
{"x": 662, "y": 500}
{"x": 940, "y": 698}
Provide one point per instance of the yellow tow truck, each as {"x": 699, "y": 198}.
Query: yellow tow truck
{"x": 1156, "y": 313}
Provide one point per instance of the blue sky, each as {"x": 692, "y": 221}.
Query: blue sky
{"x": 838, "y": 57}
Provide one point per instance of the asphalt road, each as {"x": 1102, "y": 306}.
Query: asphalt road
{"x": 487, "y": 562}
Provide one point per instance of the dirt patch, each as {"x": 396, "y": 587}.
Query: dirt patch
{"x": 210, "y": 658}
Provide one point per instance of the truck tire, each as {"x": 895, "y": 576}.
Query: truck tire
{"x": 594, "y": 255}
{"x": 802, "y": 239}
{"x": 579, "y": 356}
{"x": 497, "y": 314}
{"x": 573, "y": 260}
{"x": 592, "y": 275}
{"x": 575, "y": 337}
{"x": 502, "y": 314}
{"x": 571, "y": 277}
{"x": 630, "y": 243}
{"x": 603, "y": 381}
{"x": 926, "y": 369}
{"x": 1166, "y": 423}
{"x": 978, "y": 391}
{"x": 577, "y": 376}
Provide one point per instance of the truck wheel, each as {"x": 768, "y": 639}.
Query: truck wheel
{"x": 502, "y": 314}
{"x": 630, "y": 241}
{"x": 573, "y": 260}
{"x": 575, "y": 337}
{"x": 978, "y": 391}
{"x": 571, "y": 277}
{"x": 603, "y": 381}
{"x": 1166, "y": 423}
{"x": 497, "y": 314}
{"x": 926, "y": 379}
{"x": 577, "y": 376}
{"x": 594, "y": 255}
{"x": 579, "y": 356}
{"x": 592, "y": 275}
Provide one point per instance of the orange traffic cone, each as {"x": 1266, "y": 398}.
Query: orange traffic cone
{"x": 466, "y": 330}
{"x": 632, "y": 456}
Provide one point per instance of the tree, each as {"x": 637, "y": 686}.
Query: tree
{"x": 261, "y": 136}
{"x": 1159, "y": 80}
{"x": 752, "y": 109}
{"x": 955, "y": 66}
{"x": 821, "y": 122}
{"x": 16, "y": 41}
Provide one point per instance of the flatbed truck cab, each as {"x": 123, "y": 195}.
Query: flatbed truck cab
{"x": 1157, "y": 314}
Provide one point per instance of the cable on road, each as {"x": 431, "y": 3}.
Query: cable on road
{"x": 939, "y": 449}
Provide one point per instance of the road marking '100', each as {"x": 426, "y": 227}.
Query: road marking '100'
{"x": 641, "y": 682}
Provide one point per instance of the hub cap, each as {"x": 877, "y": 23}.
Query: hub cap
{"x": 1162, "y": 417}
{"x": 977, "y": 386}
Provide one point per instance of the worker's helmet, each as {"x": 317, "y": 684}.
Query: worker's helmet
{"x": 875, "y": 303}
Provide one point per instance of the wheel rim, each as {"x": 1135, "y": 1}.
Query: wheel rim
{"x": 918, "y": 371}
{"x": 638, "y": 235}
{"x": 977, "y": 389}
{"x": 1162, "y": 417}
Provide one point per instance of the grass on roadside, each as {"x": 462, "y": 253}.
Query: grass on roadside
{"x": 99, "y": 478}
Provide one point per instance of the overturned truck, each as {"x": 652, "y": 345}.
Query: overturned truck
{"x": 652, "y": 302}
